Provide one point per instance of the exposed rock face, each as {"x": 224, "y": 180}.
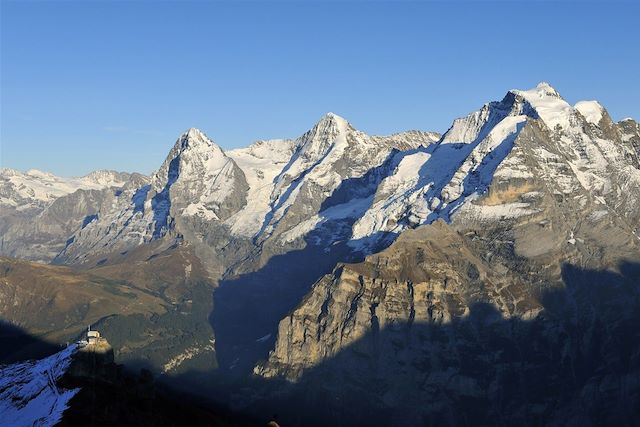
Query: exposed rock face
{"x": 448, "y": 326}
{"x": 40, "y": 212}
{"x": 413, "y": 281}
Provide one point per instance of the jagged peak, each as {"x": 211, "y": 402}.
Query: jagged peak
{"x": 547, "y": 89}
{"x": 192, "y": 148}
{"x": 329, "y": 128}
{"x": 331, "y": 120}
{"x": 332, "y": 117}
{"x": 195, "y": 143}
{"x": 194, "y": 133}
{"x": 10, "y": 172}
{"x": 194, "y": 136}
{"x": 548, "y": 105}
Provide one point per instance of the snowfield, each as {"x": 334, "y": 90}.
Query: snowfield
{"x": 29, "y": 395}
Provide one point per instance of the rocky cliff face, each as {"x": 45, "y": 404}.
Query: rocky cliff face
{"x": 454, "y": 326}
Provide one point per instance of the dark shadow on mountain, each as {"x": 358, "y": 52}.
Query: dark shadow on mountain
{"x": 88, "y": 219}
{"x": 125, "y": 397}
{"x": 161, "y": 202}
{"x": 247, "y": 309}
{"x": 17, "y": 345}
{"x": 366, "y": 185}
{"x": 576, "y": 363}
{"x": 139, "y": 197}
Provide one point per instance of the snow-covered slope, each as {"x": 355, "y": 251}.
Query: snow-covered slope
{"x": 577, "y": 149}
{"x": 261, "y": 163}
{"x": 29, "y": 395}
{"x": 318, "y": 163}
{"x": 433, "y": 182}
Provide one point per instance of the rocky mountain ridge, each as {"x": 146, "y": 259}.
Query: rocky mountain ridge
{"x": 364, "y": 190}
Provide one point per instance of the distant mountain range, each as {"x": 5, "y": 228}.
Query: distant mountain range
{"x": 488, "y": 273}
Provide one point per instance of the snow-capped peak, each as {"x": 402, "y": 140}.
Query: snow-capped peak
{"x": 545, "y": 89}
{"x": 193, "y": 137}
{"x": 333, "y": 117}
{"x": 477, "y": 124}
{"x": 591, "y": 110}
{"x": 327, "y": 134}
{"x": 194, "y": 145}
{"x": 549, "y": 105}
{"x": 192, "y": 155}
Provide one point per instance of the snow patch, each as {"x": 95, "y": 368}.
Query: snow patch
{"x": 199, "y": 210}
{"x": 495, "y": 212}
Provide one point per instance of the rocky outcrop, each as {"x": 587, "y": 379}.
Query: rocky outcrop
{"x": 429, "y": 276}
{"x": 93, "y": 360}
{"x": 450, "y": 325}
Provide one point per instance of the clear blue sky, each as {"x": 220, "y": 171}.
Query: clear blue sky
{"x": 91, "y": 85}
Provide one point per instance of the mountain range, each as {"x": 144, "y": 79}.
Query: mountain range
{"x": 488, "y": 275}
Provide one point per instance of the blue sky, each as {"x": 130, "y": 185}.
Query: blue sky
{"x": 89, "y": 85}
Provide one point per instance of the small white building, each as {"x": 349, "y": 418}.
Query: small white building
{"x": 93, "y": 337}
